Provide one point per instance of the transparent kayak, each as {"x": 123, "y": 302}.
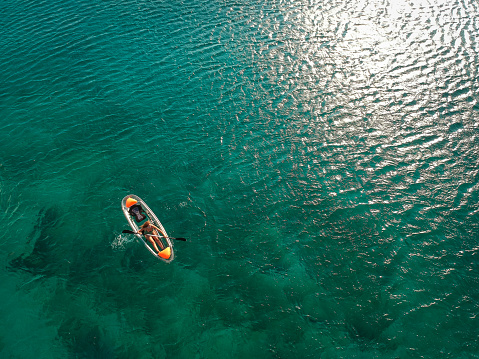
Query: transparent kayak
{"x": 135, "y": 218}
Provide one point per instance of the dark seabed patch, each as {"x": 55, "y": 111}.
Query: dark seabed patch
{"x": 46, "y": 257}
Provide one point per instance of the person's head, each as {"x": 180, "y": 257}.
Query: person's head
{"x": 146, "y": 224}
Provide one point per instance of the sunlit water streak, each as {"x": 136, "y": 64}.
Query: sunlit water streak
{"x": 320, "y": 157}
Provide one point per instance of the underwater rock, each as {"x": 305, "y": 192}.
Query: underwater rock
{"x": 43, "y": 259}
{"x": 85, "y": 340}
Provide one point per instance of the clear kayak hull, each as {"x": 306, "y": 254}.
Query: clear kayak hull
{"x": 167, "y": 254}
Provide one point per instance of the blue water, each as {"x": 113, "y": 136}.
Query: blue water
{"x": 321, "y": 158}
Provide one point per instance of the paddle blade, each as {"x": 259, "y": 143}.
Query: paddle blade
{"x": 128, "y": 231}
{"x": 181, "y": 239}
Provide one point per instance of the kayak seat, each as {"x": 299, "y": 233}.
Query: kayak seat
{"x": 137, "y": 212}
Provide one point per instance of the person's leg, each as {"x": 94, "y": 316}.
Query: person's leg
{"x": 150, "y": 239}
{"x": 158, "y": 240}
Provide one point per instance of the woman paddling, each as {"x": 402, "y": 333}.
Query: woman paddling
{"x": 150, "y": 231}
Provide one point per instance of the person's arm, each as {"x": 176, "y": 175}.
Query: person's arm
{"x": 159, "y": 230}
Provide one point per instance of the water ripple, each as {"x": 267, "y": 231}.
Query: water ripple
{"x": 321, "y": 155}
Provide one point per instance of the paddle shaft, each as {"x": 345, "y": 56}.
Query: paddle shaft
{"x": 131, "y": 232}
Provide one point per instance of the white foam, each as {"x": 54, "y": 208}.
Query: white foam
{"x": 121, "y": 241}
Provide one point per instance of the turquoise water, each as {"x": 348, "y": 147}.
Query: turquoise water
{"x": 320, "y": 157}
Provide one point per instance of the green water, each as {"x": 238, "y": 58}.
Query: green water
{"x": 320, "y": 158}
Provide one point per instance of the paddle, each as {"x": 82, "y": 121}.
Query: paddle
{"x": 131, "y": 232}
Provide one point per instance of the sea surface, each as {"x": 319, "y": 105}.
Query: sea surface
{"x": 321, "y": 158}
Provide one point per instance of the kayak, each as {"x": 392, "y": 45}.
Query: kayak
{"x": 137, "y": 212}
